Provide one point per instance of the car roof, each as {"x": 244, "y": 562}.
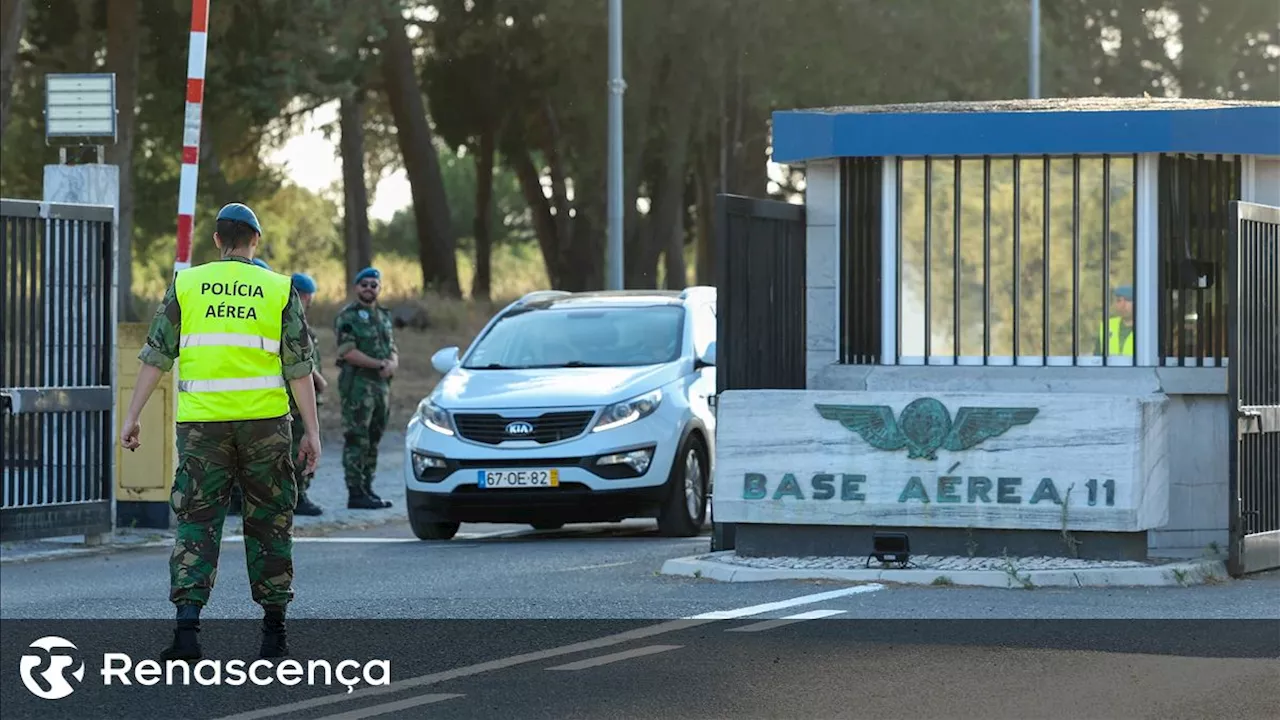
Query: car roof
{"x": 601, "y": 298}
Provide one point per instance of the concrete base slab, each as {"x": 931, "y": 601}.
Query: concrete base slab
{"x": 983, "y": 572}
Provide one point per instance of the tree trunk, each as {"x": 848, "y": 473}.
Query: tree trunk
{"x": 13, "y": 16}
{"x": 706, "y": 207}
{"x": 668, "y": 208}
{"x": 436, "y": 244}
{"x": 482, "y": 283}
{"x": 544, "y": 225}
{"x": 355, "y": 201}
{"x": 122, "y": 59}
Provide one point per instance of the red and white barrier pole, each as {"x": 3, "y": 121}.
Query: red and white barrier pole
{"x": 191, "y": 131}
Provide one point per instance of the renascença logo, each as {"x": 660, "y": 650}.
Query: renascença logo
{"x": 55, "y": 685}
{"x": 119, "y": 668}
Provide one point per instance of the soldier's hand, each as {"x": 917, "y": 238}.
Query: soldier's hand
{"x": 309, "y": 452}
{"x": 129, "y": 433}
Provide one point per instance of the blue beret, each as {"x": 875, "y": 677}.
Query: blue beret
{"x": 1125, "y": 291}
{"x": 303, "y": 283}
{"x": 240, "y": 213}
{"x": 261, "y": 263}
{"x": 367, "y": 273}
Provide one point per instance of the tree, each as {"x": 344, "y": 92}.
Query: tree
{"x": 431, "y": 206}
{"x": 13, "y": 14}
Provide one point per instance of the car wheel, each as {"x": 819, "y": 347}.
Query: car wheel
{"x": 432, "y": 530}
{"x": 547, "y": 525}
{"x": 685, "y": 508}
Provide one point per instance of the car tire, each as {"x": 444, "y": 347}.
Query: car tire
{"x": 547, "y": 525}
{"x": 432, "y": 530}
{"x": 685, "y": 508}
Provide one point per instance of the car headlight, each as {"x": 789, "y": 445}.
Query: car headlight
{"x": 629, "y": 411}
{"x": 434, "y": 417}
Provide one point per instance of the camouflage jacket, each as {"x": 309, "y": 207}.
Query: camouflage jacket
{"x": 368, "y": 330}
{"x": 315, "y": 355}
{"x": 297, "y": 348}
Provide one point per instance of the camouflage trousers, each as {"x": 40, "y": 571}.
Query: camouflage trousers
{"x": 212, "y": 458}
{"x": 365, "y": 411}
{"x": 300, "y": 476}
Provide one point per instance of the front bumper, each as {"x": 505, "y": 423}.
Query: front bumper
{"x": 569, "y": 503}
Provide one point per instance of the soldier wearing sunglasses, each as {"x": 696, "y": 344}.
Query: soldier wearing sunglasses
{"x": 367, "y": 359}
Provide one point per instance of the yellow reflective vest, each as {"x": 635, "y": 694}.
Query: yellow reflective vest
{"x": 229, "y": 342}
{"x": 1111, "y": 334}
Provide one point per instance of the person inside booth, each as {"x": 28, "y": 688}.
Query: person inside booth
{"x": 1117, "y": 334}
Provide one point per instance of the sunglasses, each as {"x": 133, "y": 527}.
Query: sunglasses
{"x": 370, "y": 285}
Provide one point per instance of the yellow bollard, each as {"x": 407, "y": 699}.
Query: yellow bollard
{"x": 143, "y": 477}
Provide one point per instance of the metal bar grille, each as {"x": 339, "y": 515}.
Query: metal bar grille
{"x": 859, "y": 266}
{"x": 1036, "y": 216}
{"x": 1195, "y": 192}
{"x": 56, "y": 277}
{"x": 1254, "y": 386}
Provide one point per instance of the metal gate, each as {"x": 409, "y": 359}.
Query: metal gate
{"x": 1254, "y": 387}
{"x": 760, "y": 302}
{"x": 57, "y": 370}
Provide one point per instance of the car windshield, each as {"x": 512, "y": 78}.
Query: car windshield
{"x": 582, "y": 337}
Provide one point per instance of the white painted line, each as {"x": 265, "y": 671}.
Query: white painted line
{"x": 788, "y": 620}
{"x": 784, "y": 604}
{"x": 616, "y": 657}
{"x": 597, "y": 567}
{"x": 240, "y": 538}
{"x": 540, "y": 655}
{"x": 384, "y": 708}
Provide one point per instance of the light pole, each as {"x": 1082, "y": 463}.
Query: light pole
{"x": 1035, "y": 48}
{"x": 616, "y": 88}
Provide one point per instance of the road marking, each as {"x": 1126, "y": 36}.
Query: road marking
{"x": 788, "y": 620}
{"x": 784, "y": 604}
{"x": 597, "y": 567}
{"x": 616, "y": 657}
{"x": 540, "y": 655}
{"x": 384, "y": 708}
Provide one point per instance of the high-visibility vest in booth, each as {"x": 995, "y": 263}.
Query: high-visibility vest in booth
{"x": 229, "y": 348}
{"x": 1111, "y": 335}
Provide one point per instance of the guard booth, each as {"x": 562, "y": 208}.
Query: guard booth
{"x": 1043, "y": 327}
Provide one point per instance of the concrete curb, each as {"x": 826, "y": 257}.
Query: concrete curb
{"x": 1177, "y": 574}
{"x": 311, "y": 529}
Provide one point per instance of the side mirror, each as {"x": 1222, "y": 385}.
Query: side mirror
{"x": 445, "y": 360}
{"x": 708, "y": 356}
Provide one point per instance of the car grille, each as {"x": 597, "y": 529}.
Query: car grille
{"x": 491, "y": 429}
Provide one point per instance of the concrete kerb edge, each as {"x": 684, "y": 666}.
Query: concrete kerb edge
{"x": 314, "y": 529}
{"x": 1178, "y": 574}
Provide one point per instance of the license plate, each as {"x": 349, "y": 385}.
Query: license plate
{"x": 518, "y": 478}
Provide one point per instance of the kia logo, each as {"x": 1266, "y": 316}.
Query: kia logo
{"x": 519, "y": 427}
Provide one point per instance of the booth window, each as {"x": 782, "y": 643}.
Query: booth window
{"x": 860, "y": 252}
{"x": 1016, "y": 260}
{"x": 1195, "y": 192}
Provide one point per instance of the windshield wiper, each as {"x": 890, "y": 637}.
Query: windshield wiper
{"x": 573, "y": 364}
{"x": 496, "y": 366}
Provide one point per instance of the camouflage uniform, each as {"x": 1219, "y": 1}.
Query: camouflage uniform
{"x": 299, "y": 428}
{"x": 215, "y": 456}
{"x": 365, "y": 394}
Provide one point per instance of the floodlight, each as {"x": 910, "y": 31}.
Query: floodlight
{"x": 890, "y": 548}
{"x": 80, "y": 105}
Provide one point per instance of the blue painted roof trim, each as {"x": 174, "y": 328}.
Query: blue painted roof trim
{"x": 800, "y": 135}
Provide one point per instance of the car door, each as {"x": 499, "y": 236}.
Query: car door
{"x": 704, "y": 382}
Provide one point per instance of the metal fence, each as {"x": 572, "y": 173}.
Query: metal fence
{"x": 1253, "y": 383}
{"x": 57, "y": 277}
{"x": 760, "y": 302}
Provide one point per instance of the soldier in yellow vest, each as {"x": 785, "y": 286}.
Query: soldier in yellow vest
{"x": 239, "y": 335}
{"x": 1117, "y": 335}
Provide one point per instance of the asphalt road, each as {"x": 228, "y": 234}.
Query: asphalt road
{"x": 578, "y": 624}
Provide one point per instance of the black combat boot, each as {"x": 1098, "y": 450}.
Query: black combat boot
{"x": 274, "y": 643}
{"x": 186, "y": 643}
{"x": 306, "y": 507}
{"x": 357, "y": 499}
{"x": 368, "y": 490}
